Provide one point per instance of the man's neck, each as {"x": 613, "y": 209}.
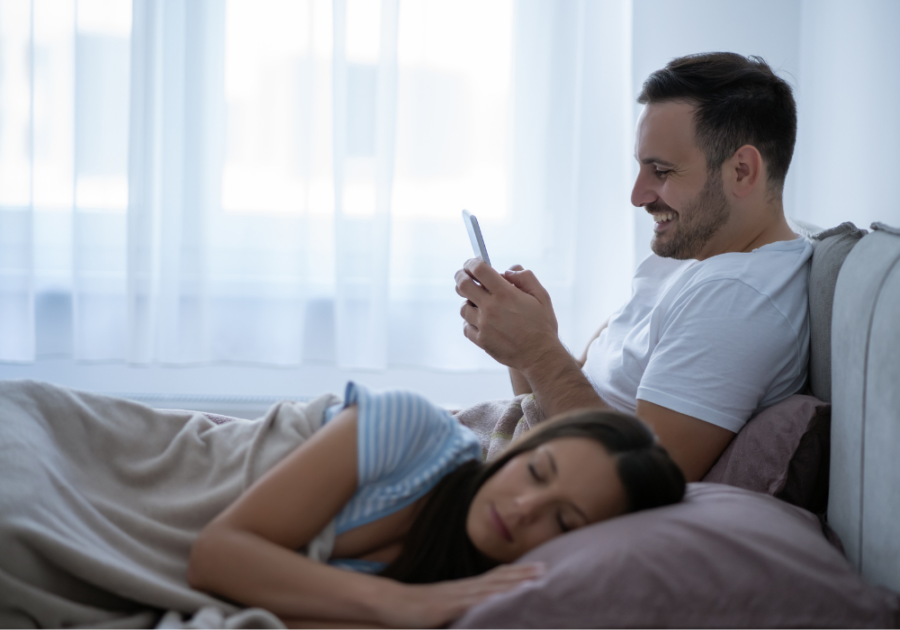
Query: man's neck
{"x": 766, "y": 225}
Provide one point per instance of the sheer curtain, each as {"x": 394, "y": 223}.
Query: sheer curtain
{"x": 280, "y": 182}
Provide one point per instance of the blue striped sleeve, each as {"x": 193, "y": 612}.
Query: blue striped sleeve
{"x": 405, "y": 445}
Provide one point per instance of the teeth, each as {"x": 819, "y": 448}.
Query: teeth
{"x": 664, "y": 216}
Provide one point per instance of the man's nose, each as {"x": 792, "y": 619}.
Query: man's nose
{"x": 643, "y": 191}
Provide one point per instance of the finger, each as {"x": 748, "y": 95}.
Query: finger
{"x": 482, "y": 591}
{"x": 486, "y": 275}
{"x": 513, "y": 268}
{"x": 526, "y": 567}
{"x": 469, "y": 312}
{"x": 471, "y": 333}
{"x": 522, "y": 571}
{"x": 528, "y": 282}
{"x": 468, "y": 288}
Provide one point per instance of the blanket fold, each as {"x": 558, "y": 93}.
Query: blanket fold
{"x": 498, "y": 422}
{"x": 102, "y": 498}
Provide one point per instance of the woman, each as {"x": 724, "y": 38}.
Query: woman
{"x": 409, "y": 499}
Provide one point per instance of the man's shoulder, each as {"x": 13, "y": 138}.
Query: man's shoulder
{"x": 770, "y": 270}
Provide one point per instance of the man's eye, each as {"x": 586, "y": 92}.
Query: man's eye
{"x": 662, "y": 174}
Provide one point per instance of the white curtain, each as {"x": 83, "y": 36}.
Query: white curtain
{"x": 280, "y": 182}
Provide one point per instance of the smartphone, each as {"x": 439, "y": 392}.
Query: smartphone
{"x": 475, "y": 236}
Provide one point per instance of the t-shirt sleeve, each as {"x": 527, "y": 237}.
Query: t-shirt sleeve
{"x": 404, "y": 439}
{"x": 720, "y": 348}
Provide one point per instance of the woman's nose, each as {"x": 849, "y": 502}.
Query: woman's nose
{"x": 530, "y": 504}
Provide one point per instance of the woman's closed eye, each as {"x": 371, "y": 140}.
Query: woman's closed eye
{"x": 562, "y": 524}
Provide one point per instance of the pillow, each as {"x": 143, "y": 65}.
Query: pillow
{"x": 830, "y": 248}
{"x": 782, "y": 451}
{"x": 725, "y": 557}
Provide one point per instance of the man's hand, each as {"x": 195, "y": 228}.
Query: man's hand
{"x": 509, "y": 316}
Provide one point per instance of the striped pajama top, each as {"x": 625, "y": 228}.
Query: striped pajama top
{"x": 405, "y": 445}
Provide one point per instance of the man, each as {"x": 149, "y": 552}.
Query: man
{"x": 716, "y": 328}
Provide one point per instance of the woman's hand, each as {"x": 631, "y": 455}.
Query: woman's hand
{"x": 434, "y": 605}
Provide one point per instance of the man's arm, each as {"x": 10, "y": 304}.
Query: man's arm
{"x": 511, "y": 317}
{"x": 694, "y": 445}
{"x": 521, "y": 385}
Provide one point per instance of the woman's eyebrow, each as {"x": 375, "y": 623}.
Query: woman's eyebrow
{"x": 552, "y": 462}
{"x": 577, "y": 509}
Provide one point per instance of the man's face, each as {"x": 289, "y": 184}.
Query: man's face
{"x": 673, "y": 184}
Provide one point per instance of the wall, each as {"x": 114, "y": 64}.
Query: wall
{"x": 849, "y": 96}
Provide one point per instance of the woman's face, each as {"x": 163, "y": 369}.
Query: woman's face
{"x": 562, "y": 485}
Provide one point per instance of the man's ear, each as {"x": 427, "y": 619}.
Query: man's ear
{"x": 744, "y": 171}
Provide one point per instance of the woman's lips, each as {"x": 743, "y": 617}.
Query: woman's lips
{"x": 499, "y": 525}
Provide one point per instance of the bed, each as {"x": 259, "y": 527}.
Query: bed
{"x": 748, "y": 548}
{"x": 864, "y": 499}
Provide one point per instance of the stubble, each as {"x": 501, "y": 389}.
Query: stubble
{"x": 696, "y": 223}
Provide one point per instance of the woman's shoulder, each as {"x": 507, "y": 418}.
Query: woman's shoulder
{"x": 400, "y": 430}
{"x": 405, "y": 445}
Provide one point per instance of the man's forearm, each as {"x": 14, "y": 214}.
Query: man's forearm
{"x": 520, "y": 384}
{"x": 559, "y": 385}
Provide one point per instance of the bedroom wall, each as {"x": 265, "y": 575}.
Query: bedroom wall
{"x": 840, "y": 56}
{"x": 849, "y": 93}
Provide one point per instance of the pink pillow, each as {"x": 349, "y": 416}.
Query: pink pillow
{"x": 782, "y": 451}
{"x": 724, "y": 557}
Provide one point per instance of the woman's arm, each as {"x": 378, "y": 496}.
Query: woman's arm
{"x": 247, "y": 554}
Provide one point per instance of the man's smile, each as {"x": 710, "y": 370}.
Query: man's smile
{"x": 663, "y": 219}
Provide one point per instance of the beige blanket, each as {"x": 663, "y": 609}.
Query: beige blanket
{"x": 499, "y": 422}
{"x": 101, "y": 500}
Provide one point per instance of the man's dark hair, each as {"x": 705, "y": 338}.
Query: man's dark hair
{"x": 739, "y": 100}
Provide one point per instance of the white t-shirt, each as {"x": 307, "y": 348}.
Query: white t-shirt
{"x": 717, "y": 339}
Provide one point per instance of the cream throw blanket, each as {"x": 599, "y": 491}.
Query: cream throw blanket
{"x": 498, "y": 422}
{"x": 102, "y": 498}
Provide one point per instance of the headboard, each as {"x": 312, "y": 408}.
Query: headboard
{"x": 864, "y": 493}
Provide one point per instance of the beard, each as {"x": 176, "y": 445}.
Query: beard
{"x": 694, "y": 225}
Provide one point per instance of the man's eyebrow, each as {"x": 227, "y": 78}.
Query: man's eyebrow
{"x": 655, "y": 160}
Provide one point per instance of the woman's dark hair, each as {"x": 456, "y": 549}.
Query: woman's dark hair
{"x": 739, "y": 101}
{"x": 438, "y": 548}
